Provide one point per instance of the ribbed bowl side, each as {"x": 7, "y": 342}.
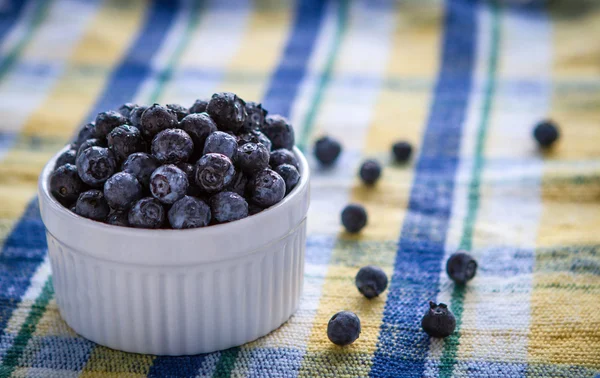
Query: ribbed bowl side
{"x": 179, "y": 310}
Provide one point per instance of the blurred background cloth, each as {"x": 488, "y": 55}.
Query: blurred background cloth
{"x": 464, "y": 81}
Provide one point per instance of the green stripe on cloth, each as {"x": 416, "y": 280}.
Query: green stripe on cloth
{"x": 11, "y": 359}
{"x": 448, "y": 359}
{"x": 226, "y": 363}
{"x": 40, "y": 13}
{"x": 342, "y": 24}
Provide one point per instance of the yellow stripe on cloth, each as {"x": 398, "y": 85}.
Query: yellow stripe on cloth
{"x": 565, "y": 321}
{"x": 399, "y": 113}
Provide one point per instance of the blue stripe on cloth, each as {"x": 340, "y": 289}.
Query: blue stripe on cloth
{"x": 129, "y": 75}
{"x": 402, "y": 347}
{"x": 293, "y": 65}
{"x": 9, "y": 14}
{"x": 185, "y": 366}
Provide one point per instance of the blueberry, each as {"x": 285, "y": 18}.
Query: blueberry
{"x": 283, "y": 156}
{"x": 107, "y": 121}
{"x": 121, "y": 190}
{"x": 256, "y": 116}
{"x": 438, "y": 321}
{"x": 86, "y": 132}
{"x": 141, "y": 165}
{"x": 146, "y": 213}
{"x": 267, "y": 188}
{"x": 461, "y": 267}
{"x": 343, "y": 328}
{"x": 65, "y": 184}
{"x": 126, "y": 109}
{"x": 95, "y": 165}
{"x": 290, "y": 175}
{"x": 172, "y": 146}
{"x": 228, "y": 111}
{"x": 238, "y": 184}
{"x": 214, "y": 172}
{"x": 180, "y": 111}
{"x": 354, "y": 218}
{"x": 401, "y": 151}
{"x": 279, "y": 131}
{"x": 228, "y": 207}
{"x": 168, "y": 184}
{"x": 252, "y": 157}
{"x": 327, "y": 150}
{"x": 198, "y": 126}
{"x": 67, "y": 157}
{"x": 87, "y": 144}
{"x": 135, "y": 117}
{"x": 221, "y": 143}
{"x": 370, "y": 171}
{"x": 92, "y": 205}
{"x": 189, "y": 170}
{"x": 546, "y": 133}
{"x": 189, "y": 212}
{"x": 199, "y": 106}
{"x": 156, "y": 119}
{"x": 371, "y": 281}
{"x": 254, "y": 209}
{"x": 254, "y": 136}
{"x": 124, "y": 140}
{"x": 118, "y": 218}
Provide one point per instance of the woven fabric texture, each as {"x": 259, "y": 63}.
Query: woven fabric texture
{"x": 464, "y": 81}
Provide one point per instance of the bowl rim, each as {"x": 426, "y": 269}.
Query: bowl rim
{"x": 287, "y": 201}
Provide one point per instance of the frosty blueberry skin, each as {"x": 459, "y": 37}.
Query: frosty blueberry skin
{"x": 290, "y": 175}
{"x": 124, "y": 140}
{"x": 279, "y": 131}
{"x": 121, "y": 190}
{"x": 92, "y": 205}
{"x": 256, "y": 116}
{"x": 168, "y": 184}
{"x": 146, "y": 213}
{"x": 267, "y": 188}
{"x": 86, "y": 132}
{"x": 214, "y": 172}
{"x": 141, "y": 165}
{"x": 343, "y": 328}
{"x": 199, "y": 106}
{"x": 252, "y": 157}
{"x": 228, "y": 207}
{"x": 189, "y": 212}
{"x": 95, "y": 165}
{"x": 89, "y": 143}
{"x": 238, "y": 184}
{"x": 221, "y": 143}
{"x": 283, "y": 156}
{"x": 135, "y": 116}
{"x": 172, "y": 146}
{"x": 156, "y": 119}
{"x": 65, "y": 184}
{"x": 180, "y": 111}
{"x": 198, "y": 126}
{"x": 107, "y": 121}
{"x": 228, "y": 111}
{"x": 67, "y": 157}
{"x": 254, "y": 136}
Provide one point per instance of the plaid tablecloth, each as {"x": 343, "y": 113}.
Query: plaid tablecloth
{"x": 464, "y": 81}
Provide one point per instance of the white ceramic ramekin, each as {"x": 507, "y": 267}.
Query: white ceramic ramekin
{"x": 177, "y": 292}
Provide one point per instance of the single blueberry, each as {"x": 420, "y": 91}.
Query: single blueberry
{"x": 401, "y": 151}
{"x": 180, "y": 111}
{"x": 254, "y": 136}
{"x": 461, "y": 267}
{"x": 126, "y": 109}
{"x": 228, "y": 207}
{"x": 67, "y": 157}
{"x": 283, "y": 156}
{"x": 146, "y": 213}
{"x": 172, "y": 146}
{"x": 86, "y": 132}
{"x": 546, "y": 133}
{"x": 370, "y": 171}
{"x": 327, "y": 150}
{"x": 118, "y": 218}
{"x": 371, "y": 281}
{"x": 89, "y": 143}
{"x": 354, "y": 218}
{"x": 343, "y": 328}
{"x": 439, "y": 321}
{"x": 228, "y": 111}
{"x": 290, "y": 175}
{"x": 168, "y": 184}
{"x": 65, "y": 184}
{"x": 279, "y": 131}
{"x": 199, "y": 106}
{"x": 92, "y": 205}
{"x": 238, "y": 184}
{"x": 135, "y": 117}
{"x": 214, "y": 172}
{"x": 141, "y": 165}
{"x": 252, "y": 157}
{"x": 107, "y": 121}
{"x": 156, "y": 119}
{"x": 267, "y": 188}
{"x": 189, "y": 212}
{"x": 256, "y": 116}
{"x": 198, "y": 126}
{"x": 95, "y": 165}
{"x": 124, "y": 140}
{"x": 121, "y": 190}
{"x": 221, "y": 143}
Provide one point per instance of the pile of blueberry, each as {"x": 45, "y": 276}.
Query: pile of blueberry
{"x": 168, "y": 166}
